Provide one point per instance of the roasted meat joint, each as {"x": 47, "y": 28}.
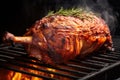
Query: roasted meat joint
{"x": 64, "y": 35}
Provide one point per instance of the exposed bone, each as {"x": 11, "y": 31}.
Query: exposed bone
{"x": 17, "y": 39}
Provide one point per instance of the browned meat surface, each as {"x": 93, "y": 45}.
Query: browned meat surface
{"x": 59, "y": 38}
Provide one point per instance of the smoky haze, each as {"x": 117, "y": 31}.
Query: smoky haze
{"x": 101, "y": 7}
{"x": 33, "y": 10}
{"x": 24, "y": 13}
{"x": 21, "y": 14}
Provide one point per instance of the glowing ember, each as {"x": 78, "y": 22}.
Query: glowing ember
{"x": 12, "y": 75}
{"x": 17, "y": 76}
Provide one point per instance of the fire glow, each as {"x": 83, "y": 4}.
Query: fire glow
{"x": 12, "y": 75}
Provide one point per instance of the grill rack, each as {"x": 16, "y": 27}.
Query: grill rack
{"x": 91, "y": 68}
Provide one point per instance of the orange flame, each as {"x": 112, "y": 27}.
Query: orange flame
{"x": 17, "y": 76}
{"x": 12, "y": 75}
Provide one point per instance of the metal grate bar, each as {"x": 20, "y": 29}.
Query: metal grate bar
{"x": 84, "y": 67}
{"x": 27, "y": 61}
{"x": 81, "y": 69}
{"x": 92, "y": 66}
{"x": 113, "y": 54}
{"x": 25, "y": 72}
{"x": 109, "y": 56}
{"x": 91, "y": 63}
{"x": 103, "y": 59}
{"x": 95, "y": 61}
{"x": 100, "y": 71}
{"x": 73, "y": 71}
{"x": 17, "y": 48}
{"x": 13, "y": 51}
{"x": 12, "y": 61}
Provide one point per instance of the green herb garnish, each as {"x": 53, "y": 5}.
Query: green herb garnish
{"x": 75, "y": 12}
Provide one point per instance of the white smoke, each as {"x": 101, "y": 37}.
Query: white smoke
{"x": 36, "y": 9}
{"x": 101, "y": 7}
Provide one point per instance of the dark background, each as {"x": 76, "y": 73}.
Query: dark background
{"x": 17, "y": 15}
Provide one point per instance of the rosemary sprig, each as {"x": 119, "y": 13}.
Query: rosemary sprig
{"x": 75, "y": 12}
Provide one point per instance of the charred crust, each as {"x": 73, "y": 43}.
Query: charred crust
{"x": 45, "y": 25}
{"x": 63, "y": 40}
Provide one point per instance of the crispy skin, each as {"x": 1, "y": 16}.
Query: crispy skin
{"x": 57, "y": 39}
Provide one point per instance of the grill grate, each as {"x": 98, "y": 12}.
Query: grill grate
{"x": 15, "y": 58}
